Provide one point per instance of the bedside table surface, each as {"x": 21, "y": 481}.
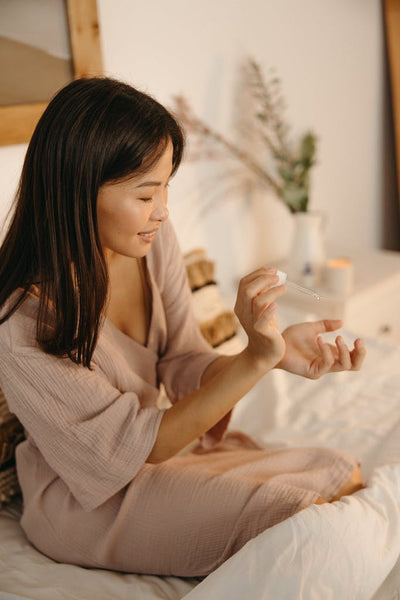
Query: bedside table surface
{"x": 374, "y": 268}
{"x": 372, "y": 308}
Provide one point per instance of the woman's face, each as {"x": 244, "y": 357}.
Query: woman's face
{"x": 130, "y": 212}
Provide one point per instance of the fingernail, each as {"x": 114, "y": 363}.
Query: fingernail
{"x": 271, "y": 270}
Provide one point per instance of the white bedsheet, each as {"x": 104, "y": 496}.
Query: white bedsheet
{"x": 336, "y": 551}
{"x": 346, "y": 550}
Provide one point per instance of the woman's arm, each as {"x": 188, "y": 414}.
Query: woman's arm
{"x": 195, "y": 414}
{"x": 227, "y": 379}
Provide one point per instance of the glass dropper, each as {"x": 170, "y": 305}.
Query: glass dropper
{"x": 299, "y": 288}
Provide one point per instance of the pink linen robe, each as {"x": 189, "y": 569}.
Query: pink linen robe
{"x": 90, "y": 498}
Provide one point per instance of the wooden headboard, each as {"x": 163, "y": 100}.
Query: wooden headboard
{"x": 392, "y": 26}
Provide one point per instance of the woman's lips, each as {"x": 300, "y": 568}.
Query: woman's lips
{"x": 147, "y": 236}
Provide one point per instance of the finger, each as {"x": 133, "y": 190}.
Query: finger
{"x": 327, "y": 358}
{"x": 257, "y": 273}
{"x": 358, "y": 354}
{"x": 258, "y": 285}
{"x": 327, "y": 325}
{"x": 343, "y": 353}
{"x": 253, "y": 288}
{"x": 262, "y": 301}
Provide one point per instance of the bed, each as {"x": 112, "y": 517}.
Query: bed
{"x": 348, "y": 549}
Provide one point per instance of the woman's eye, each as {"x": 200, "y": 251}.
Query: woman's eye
{"x": 146, "y": 199}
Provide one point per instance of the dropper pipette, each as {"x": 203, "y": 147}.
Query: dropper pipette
{"x": 299, "y": 288}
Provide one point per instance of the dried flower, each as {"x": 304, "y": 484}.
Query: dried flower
{"x": 286, "y": 166}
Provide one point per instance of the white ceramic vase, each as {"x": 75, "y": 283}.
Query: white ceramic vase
{"x": 307, "y": 252}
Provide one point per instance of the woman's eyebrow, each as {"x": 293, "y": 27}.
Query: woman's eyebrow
{"x": 148, "y": 184}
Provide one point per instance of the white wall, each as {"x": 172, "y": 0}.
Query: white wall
{"x": 329, "y": 55}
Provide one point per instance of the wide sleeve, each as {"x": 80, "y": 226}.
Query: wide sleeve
{"x": 187, "y": 354}
{"x": 93, "y": 436}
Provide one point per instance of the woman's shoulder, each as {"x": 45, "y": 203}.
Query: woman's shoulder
{"x": 18, "y": 332}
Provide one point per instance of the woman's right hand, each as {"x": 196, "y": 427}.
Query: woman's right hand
{"x": 228, "y": 378}
{"x": 255, "y": 308}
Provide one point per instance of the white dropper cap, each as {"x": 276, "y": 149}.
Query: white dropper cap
{"x": 282, "y": 277}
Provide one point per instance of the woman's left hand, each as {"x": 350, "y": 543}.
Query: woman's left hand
{"x": 308, "y": 355}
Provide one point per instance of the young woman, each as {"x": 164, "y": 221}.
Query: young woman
{"x": 96, "y": 313}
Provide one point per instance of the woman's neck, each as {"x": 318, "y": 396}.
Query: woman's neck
{"x": 129, "y": 306}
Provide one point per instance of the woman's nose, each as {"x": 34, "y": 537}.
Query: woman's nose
{"x": 160, "y": 212}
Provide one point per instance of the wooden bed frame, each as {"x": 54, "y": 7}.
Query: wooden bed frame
{"x": 392, "y": 25}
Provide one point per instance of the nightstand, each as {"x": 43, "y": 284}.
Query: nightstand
{"x": 372, "y": 309}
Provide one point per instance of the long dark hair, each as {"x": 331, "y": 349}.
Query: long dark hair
{"x": 93, "y": 131}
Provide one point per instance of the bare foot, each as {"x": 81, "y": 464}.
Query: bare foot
{"x": 353, "y": 484}
{"x": 320, "y": 500}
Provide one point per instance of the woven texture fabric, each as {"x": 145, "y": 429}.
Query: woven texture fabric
{"x": 217, "y": 322}
{"x": 11, "y": 433}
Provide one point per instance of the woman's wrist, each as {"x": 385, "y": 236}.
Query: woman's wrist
{"x": 258, "y": 362}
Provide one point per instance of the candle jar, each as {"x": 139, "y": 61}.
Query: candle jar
{"x": 338, "y": 275}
